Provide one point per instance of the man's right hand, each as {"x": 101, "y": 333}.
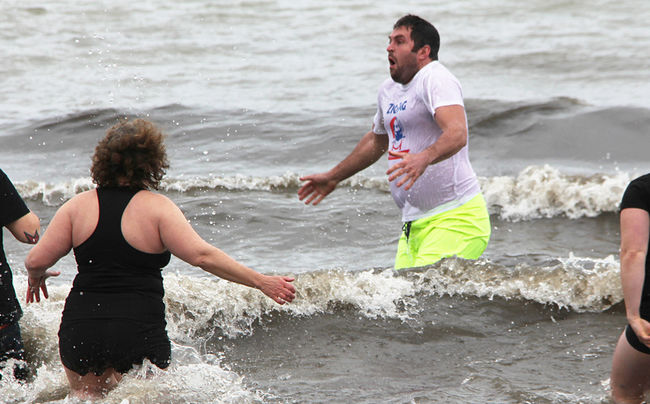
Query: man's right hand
{"x": 317, "y": 187}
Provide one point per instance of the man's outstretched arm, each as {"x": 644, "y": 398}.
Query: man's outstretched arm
{"x": 369, "y": 149}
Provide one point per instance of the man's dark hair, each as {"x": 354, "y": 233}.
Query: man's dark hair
{"x": 422, "y": 33}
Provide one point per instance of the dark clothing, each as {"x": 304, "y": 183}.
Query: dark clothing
{"x": 637, "y": 195}
{"x": 11, "y": 343}
{"x": 114, "y": 316}
{"x": 12, "y": 208}
{"x": 96, "y": 345}
{"x": 634, "y": 341}
{"x": 11, "y": 347}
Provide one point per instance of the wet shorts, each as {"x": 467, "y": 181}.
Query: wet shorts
{"x": 463, "y": 232}
{"x": 11, "y": 347}
{"x": 11, "y": 343}
{"x": 633, "y": 340}
{"x": 94, "y": 346}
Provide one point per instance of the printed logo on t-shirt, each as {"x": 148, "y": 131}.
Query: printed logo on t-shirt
{"x": 395, "y": 108}
{"x": 397, "y": 131}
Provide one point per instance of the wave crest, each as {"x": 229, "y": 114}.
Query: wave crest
{"x": 544, "y": 192}
{"x": 536, "y": 192}
{"x": 208, "y": 306}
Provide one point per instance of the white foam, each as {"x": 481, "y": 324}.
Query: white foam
{"x": 580, "y": 284}
{"x": 49, "y": 385}
{"x": 201, "y": 308}
{"x": 236, "y": 182}
{"x": 544, "y": 192}
{"x": 536, "y": 192}
{"x": 181, "y": 382}
{"x": 53, "y": 194}
{"x": 205, "y": 307}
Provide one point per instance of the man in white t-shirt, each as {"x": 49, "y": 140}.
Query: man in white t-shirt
{"x": 421, "y": 122}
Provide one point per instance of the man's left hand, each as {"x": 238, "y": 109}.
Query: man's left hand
{"x": 410, "y": 168}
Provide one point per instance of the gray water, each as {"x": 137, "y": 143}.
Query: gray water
{"x": 254, "y": 94}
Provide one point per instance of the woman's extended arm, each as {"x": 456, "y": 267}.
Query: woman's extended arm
{"x": 180, "y": 238}
{"x": 55, "y": 243}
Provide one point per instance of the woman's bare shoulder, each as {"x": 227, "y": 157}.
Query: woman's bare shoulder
{"x": 81, "y": 199}
{"x": 153, "y": 196}
{"x": 154, "y": 200}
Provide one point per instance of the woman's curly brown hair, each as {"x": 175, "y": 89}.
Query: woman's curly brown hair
{"x": 131, "y": 155}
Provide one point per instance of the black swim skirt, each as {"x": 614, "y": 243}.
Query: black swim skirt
{"x": 633, "y": 340}
{"x": 96, "y": 345}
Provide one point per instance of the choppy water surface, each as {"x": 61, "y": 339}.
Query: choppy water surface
{"x": 254, "y": 94}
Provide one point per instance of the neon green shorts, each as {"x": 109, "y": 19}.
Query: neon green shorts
{"x": 463, "y": 232}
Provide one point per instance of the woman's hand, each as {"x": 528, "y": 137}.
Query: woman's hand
{"x": 642, "y": 330}
{"x": 36, "y": 285}
{"x": 278, "y": 288}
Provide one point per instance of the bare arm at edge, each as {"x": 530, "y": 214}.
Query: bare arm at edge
{"x": 26, "y": 229}
{"x": 635, "y": 231}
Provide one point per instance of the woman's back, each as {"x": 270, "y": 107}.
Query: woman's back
{"x": 139, "y": 222}
{"x": 107, "y": 245}
{"x": 115, "y": 279}
{"x": 118, "y": 288}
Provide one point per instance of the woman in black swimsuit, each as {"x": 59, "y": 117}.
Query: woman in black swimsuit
{"x": 630, "y": 378}
{"x": 123, "y": 235}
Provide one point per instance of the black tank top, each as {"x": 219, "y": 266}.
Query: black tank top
{"x": 115, "y": 280}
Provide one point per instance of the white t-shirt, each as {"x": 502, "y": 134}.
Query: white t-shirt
{"x": 406, "y": 114}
